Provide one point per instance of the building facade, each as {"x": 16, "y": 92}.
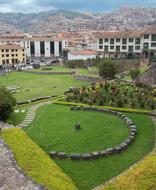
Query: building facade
{"x": 127, "y": 44}
{"x": 12, "y": 54}
{"x": 37, "y": 46}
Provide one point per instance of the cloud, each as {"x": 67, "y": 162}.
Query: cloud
{"x": 88, "y": 5}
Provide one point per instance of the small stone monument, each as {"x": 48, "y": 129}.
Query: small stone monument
{"x": 77, "y": 126}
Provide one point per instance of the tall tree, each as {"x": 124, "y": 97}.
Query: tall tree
{"x": 107, "y": 70}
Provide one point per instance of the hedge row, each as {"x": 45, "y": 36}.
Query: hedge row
{"x": 35, "y": 162}
{"x": 142, "y": 176}
{"x": 129, "y": 110}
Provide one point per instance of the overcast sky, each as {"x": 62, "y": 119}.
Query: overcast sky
{"x": 28, "y": 6}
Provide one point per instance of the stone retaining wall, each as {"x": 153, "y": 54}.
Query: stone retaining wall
{"x": 51, "y": 73}
{"x": 36, "y": 99}
{"x": 148, "y": 77}
{"x": 87, "y": 78}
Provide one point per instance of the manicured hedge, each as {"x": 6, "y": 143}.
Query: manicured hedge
{"x": 35, "y": 162}
{"x": 129, "y": 110}
{"x": 142, "y": 176}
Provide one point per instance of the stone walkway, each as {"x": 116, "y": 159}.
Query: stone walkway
{"x": 31, "y": 114}
{"x": 11, "y": 175}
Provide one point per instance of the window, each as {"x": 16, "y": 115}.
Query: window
{"x": 60, "y": 47}
{"x": 153, "y": 37}
{"x": 12, "y": 55}
{"x": 130, "y": 48}
{"x": 131, "y": 40}
{"x": 124, "y": 41}
{"x": 52, "y": 49}
{"x": 7, "y": 55}
{"x": 22, "y": 49}
{"x": 106, "y": 40}
{"x": 118, "y": 48}
{"x": 12, "y": 50}
{"x": 100, "y": 41}
{"x": 153, "y": 44}
{"x": 137, "y": 47}
{"x": 16, "y": 55}
{"x": 23, "y": 54}
{"x": 111, "y": 47}
{"x": 16, "y": 50}
{"x": 146, "y": 36}
{"x": 32, "y": 48}
{"x": 42, "y": 48}
{"x": 137, "y": 40}
{"x": 100, "y": 47}
{"x": 124, "y": 47}
{"x": 146, "y": 45}
{"x": 7, "y": 50}
{"x": 106, "y": 48}
{"x": 118, "y": 40}
{"x": 2, "y": 55}
{"x": 2, "y": 50}
{"x": 111, "y": 41}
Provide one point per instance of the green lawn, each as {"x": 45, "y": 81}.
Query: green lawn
{"x": 60, "y": 134}
{"x": 32, "y": 85}
{"x": 142, "y": 70}
{"x": 54, "y": 129}
{"x": 81, "y": 71}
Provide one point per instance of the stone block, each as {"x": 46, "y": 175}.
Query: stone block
{"x": 118, "y": 149}
{"x": 110, "y": 151}
{"x": 53, "y": 154}
{"x": 86, "y": 156}
{"x": 75, "y": 156}
{"x": 95, "y": 155}
{"x": 103, "y": 153}
{"x": 62, "y": 155}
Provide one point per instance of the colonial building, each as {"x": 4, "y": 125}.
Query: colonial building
{"x": 127, "y": 44}
{"x": 12, "y": 54}
{"x": 38, "y": 46}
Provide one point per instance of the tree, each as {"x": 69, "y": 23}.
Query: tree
{"x": 107, "y": 69}
{"x": 7, "y": 102}
{"x": 134, "y": 73}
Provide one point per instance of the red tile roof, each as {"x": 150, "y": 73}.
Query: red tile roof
{"x": 11, "y": 46}
{"x": 84, "y": 52}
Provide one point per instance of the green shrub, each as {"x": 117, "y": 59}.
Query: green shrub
{"x": 134, "y": 73}
{"x": 7, "y": 102}
{"x": 120, "y": 103}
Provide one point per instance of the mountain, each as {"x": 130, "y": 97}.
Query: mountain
{"x": 62, "y": 20}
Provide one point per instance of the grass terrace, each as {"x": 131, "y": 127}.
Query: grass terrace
{"x": 53, "y": 129}
{"x": 33, "y": 86}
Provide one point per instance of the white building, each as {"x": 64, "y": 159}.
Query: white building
{"x": 38, "y": 46}
{"x": 82, "y": 54}
{"x": 127, "y": 43}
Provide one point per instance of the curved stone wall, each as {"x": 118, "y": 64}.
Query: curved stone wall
{"x": 106, "y": 152}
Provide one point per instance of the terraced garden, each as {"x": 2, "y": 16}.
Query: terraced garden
{"x": 53, "y": 129}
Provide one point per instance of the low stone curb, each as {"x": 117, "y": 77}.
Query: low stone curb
{"x": 106, "y": 152}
